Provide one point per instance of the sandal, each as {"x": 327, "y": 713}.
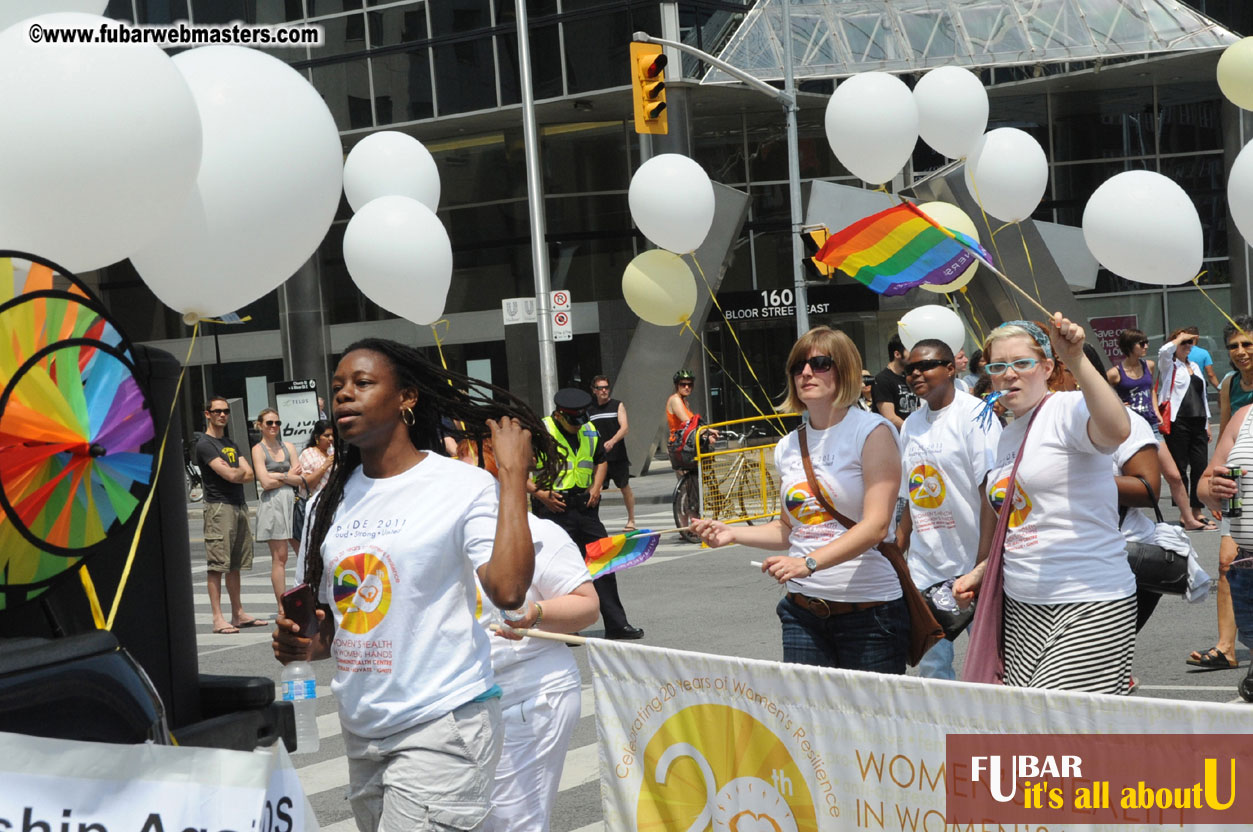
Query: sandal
{"x": 1213, "y": 659}
{"x": 629, "y": 527}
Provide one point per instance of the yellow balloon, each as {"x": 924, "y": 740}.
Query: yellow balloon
{"x": 954, "y": 219}
{"x": 659, "y": 287}
{"x": 1235, "y": 73}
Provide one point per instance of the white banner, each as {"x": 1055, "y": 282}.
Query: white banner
{"x": 48, "y": 785}
{"x": 689, "y": 739}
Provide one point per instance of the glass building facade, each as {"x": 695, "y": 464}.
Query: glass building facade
{"x": 446, "y": 71}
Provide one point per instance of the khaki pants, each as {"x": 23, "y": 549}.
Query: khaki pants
{"x": 434, "y": 776}
{"x": 227, "y": 537}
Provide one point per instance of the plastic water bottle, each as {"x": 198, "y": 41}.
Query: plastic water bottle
{"x": 300, "y": 687}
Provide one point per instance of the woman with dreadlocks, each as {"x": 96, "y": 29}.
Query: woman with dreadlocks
{"x": 398, "y": 534}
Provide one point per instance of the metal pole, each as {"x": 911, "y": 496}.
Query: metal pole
{"x": 794, "y": 178}
{"x": 786, "y": 97}
{"x": 535, "y": 200}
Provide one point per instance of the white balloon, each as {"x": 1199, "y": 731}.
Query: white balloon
{"x": 399, "y": 255}
{"x": 1142, "y": 226}
{"x": 1007, "y": 173}
{"x": 100, "y": 146}
{"x": 952, "y": 110}
{"x": 391, "y": 164}
{"x": 932, "y": 321}
{"x": 267, "y": 191}
{"x": 1240, "y": 192}
{"x": 12, "y": 11}
{"x": 672, "y": 202}
{"x": 872, "y": 125}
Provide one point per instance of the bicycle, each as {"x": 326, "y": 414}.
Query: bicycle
{"x": 749, "y": 485}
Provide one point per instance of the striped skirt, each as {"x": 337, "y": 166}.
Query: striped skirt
{"x": 1085, "y": 646}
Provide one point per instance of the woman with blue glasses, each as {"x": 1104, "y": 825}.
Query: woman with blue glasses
{"x": 1069, "y": 596}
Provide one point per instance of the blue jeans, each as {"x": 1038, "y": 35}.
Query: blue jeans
{"x": 875, "y": 639}
{"x": 938, "y": 662}
{"x": 1241, "y": 582}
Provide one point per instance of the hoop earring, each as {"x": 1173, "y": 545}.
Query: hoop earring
{"x": 408, "y": 417}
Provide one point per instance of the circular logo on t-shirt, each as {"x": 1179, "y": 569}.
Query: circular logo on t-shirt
{"x": 926, "y": 487}
{"x": 1022, "y": 503}
{"x": 804, "y": 508}
{"x": 363, "y": 592}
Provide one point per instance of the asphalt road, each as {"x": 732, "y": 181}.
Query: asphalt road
{"x": 688, "y": 598}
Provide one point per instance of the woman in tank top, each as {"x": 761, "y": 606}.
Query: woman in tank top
{"x": 1133, "y": 379}
{"x": 278, "y": 474}
{"x": 1133, "y": 376}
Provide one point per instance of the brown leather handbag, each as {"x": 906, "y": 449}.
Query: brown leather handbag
{"x": 924, "y": 630}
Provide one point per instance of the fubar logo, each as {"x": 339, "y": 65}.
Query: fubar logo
{"x": 690, "y": 782}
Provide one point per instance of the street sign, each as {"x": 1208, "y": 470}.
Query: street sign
{"x": 563, "y": 329}
{"x": 518, "y": 310}
{"x": 297, "y": 403}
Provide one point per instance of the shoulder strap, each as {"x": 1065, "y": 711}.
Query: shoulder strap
{"x": 803, "y": 438}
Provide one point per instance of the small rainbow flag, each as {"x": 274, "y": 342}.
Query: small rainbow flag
{"x": 617, "y": 552}
{"x": 895, "y": 250}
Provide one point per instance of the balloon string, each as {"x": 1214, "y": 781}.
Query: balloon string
{"x": 948, "y": 296}
{"x": 1196, "y": 283}
{"x": 439, "y": 347}
{"x": 974, "y": 315}
{"x": 744, "y": 355}
{"x": 987, "y": 222}
{"x": 1030, "y": 265}
{"x": 687, "y": 324}
{"x": 143, "y": 514}
{"x": 240, "y": 320}
{"x": 93, "y": 600}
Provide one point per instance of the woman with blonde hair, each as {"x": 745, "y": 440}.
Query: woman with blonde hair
{"x": 844, "y": 606}
{"x": 278, "y": 474}
{"x": 1069, "y": 597}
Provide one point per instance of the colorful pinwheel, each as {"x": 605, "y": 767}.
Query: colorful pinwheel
{"x": 76, "y": 432}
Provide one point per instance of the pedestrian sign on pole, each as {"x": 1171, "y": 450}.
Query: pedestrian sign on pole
{"x": 563, "y": 329}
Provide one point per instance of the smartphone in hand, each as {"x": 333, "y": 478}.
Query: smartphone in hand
{"x": 299, "y": 606}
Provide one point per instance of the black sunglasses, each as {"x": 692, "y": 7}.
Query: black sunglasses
{"x": 272, "y": 423}
{"x": 925, "y": 365}
{"x": 1143, "y": 342}
{"x": 601, "y": 387}
{"x": 819, "y": 364}
{"x": 220, "y": 410}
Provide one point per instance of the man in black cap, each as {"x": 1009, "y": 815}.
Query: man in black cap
{"x": 574, "y": 501}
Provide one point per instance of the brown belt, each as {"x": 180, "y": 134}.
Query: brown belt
{"x": 822, "y": 608}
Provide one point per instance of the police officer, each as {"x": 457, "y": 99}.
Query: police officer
{"x": 574, "y": 501}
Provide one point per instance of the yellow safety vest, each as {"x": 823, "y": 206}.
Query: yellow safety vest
{"x": 579, "y": 468}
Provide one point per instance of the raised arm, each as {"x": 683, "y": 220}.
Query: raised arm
{"x": 1108, "y": 424}
{"x": 507, "y": 574}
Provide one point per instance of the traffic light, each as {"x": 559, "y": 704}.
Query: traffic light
{"x": 814, "y": 240}
{"x": 648, "y": 88}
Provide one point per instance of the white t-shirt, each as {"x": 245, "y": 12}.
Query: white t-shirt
{"x": 1137, "y": 526}
{"x": 836, "y": 457}
{"x": 945, "y": 454}
{"x": 533, "y": 666}
{"x": 1063, "y": 544}
{"x": 399, "y": 579}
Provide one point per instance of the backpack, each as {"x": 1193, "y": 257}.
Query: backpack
{"x": 682, "y": 445}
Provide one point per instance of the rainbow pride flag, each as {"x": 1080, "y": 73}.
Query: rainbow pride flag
{"x": 619, "y": 551}
{"x": 895, "y": 250}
